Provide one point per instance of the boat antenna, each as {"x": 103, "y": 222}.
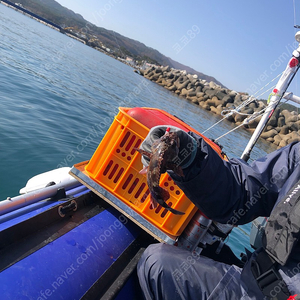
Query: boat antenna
{"x": 294, "y": 6}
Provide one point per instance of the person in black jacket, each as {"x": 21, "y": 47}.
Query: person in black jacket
{"x": 230, "y": 192}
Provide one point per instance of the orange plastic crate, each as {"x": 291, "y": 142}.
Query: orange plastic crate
{"x": 115, "y": 165}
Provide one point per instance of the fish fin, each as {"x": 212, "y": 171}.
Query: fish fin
{"x": 165, "y": 195}
{"x": 144, "y": 170}
{"x": 174, "y": 211}
{"x": 143, "y": 152}
{"x": 153, "y": 202}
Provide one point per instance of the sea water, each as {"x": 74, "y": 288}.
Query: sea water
{"x": 58, "y": 97}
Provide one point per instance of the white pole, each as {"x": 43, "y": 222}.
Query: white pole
{"x": 277, "y": 95}
{"x": 17, "y": 202}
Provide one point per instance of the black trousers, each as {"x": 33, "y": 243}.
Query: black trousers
{"x": 170, "y": 273}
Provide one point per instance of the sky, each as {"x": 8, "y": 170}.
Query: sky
{"x": 243, "y": 44}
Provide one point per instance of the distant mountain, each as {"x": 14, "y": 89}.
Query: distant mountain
{"x": 53, "y": 11}
{"x": 120, "y": 45}
{"x": 176, "y": 65}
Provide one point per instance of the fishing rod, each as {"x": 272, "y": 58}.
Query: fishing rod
{"x": 277, "y": 94}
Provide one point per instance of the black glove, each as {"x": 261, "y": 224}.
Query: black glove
{"x": 187, "y": 147}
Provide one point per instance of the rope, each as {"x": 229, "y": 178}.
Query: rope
{"x": 252, "y": 117}
{"x": 267, "y": 85}
{"x": 247, "y": 120}
{"x": 236, "y": 110}
{"x": 214, "y": 124}
{"x": 229, "y": 131}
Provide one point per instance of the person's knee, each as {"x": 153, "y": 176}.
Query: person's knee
{"x": 152, "y": 255}
{"x": 156, "y": 262}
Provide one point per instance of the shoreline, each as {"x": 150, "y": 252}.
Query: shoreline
{"x": 282, "y": 128}
{"x": 38, "y": 18}
{"x": 30, "y": 14}
{"x": 56, "y": 27}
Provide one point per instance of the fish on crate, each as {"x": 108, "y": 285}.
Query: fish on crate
{"x": 162, "y": 157}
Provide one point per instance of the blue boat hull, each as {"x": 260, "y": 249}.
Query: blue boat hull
{"x": 77, "y": 255}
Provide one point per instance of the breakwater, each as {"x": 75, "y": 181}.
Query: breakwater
{"x": 282, "y": 128}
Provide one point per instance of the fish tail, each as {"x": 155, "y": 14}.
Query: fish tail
{"x": 172, "y": 210}
{"x": 165, "y": 196}
{"x": 176, "y": 212}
